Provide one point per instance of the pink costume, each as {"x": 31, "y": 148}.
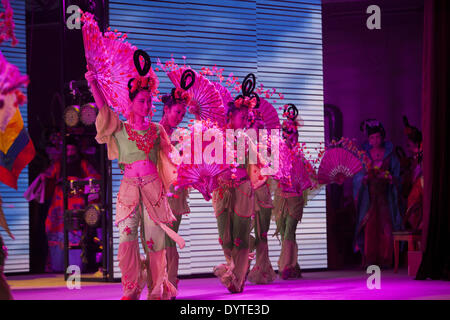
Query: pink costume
{"x": 141, "y": 201}
{"x": 179, "y": 205}
{"x": 262, "y": 272}
{"x": 288, "y": 211}
{"x": 290, "y": 196}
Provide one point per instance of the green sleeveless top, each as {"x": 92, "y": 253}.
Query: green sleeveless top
{"x": 112, "y": 131}
{"x": 128, "y": 150}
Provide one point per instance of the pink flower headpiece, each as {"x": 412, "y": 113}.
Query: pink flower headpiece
{"x": 181, "y": 94}
{"x": 147, "y": 79}
{"x": 291, "y": 124}
{"x": 246, "y": 102}
{"x": 149, "y": 83}
{"x": 248, "y": 99}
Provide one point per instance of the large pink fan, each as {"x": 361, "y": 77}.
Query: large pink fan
{"x": 269, "y": 115}
{"x": 204, "y": 177}
{"x": 224, "y": 93}
{"x": 206, "y": 101}
{"x": 110, "y": 58}
{"x": 293, "y": 172}
{"x": 337, "y": 164}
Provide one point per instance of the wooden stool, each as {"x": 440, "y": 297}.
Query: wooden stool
{"x": 411, "y": 237}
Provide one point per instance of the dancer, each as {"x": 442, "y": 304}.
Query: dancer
{"x": 173, "y": 113}
{"x": 142, "y": 148}
{"x": 234, "y": 201}
{"x": 376, "y": 198}
{"x": 77, "y": 169}
{"x": 413, "y": 183}
{"x": 290, "y": 196}
{"x": 262, "y": 271}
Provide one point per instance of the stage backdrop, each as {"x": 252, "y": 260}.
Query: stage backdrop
{"x": 281, "y": 43}
{"x": 14, "y": 204}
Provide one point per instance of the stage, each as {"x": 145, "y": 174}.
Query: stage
{"x": 318, "y": 285}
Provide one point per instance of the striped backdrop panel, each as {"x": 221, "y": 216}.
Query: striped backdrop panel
{"x": 14, "y": 204}
{"x": 281, "y": 43}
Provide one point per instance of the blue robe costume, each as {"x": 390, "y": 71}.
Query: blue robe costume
{"x": 362, "y": 196}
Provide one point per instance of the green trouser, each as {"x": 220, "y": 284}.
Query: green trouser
{"x": 172, "y": 256}
{"x": 289, "y": 212}
{"x": 287, "y": 227}
{"x": 262, "y": 225}
{"x": 234, "y": 233}
{"x": 175, "y": 226}
{"x": 262, "y": 271}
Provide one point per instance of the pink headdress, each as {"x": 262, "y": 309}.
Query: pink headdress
{"x": 248, "y": 99}
{"x": 181, "y": 93}
{"x": 291, "y": 124}
{"x": 147, "y": 79}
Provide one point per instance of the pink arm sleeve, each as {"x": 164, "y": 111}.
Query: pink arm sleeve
{"x": 107, "y": 123}
{"x": 166, "y": 168}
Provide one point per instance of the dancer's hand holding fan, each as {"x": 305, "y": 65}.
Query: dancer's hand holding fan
{"x": 110, "y": 59}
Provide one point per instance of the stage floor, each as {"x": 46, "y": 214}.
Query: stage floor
{"x": 323, "y": 285}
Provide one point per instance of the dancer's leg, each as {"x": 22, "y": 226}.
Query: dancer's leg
{"x": 159, "y": 286}
{"x": 240, "y": 252}
{"x": 223, "y": 271}
{"x": 133, "y": 278}
{"x": 172, "y": 253}
{"x": 288, "y": 263}
{"x": 262, "y": 271}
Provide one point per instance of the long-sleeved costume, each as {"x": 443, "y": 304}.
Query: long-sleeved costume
{"x": 262, "y": 272}
{"x": 141, "y": 201}
{"x": 376, "y": 198}
{"x": 234, "y": 206}
{"x": 413, "y": 190}
{"x": 289, "y": 201}
{"x": 179, "y": 205}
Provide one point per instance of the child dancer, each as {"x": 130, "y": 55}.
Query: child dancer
{"x": 142, "y": 148}
{"x": 290, "y": 198}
